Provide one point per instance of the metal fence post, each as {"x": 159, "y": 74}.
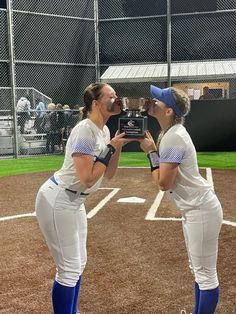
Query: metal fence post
{"x": 12, "y": 74}
{"x": 97, "y": 49}
{"x": 169, "y": 42}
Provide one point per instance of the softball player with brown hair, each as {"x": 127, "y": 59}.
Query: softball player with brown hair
{"x": 173, "y": 162}
{"x": 90, "y": 155}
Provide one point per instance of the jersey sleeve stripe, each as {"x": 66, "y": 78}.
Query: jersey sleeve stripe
{"x": 83, "y": 146}
{"x": 172, "y": 155}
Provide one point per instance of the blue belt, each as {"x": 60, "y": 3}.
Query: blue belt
{"x": 74, "y": 192}
{"x": 53, "y": 180}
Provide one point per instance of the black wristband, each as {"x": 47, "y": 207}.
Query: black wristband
{"x": 154, "y": 160}
{"x": 106, "y": 155}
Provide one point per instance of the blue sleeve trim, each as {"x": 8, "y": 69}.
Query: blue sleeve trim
{"x": 172, "y": 155}
{"x": 83, "y": 146}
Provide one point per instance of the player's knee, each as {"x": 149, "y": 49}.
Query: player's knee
{"x": 67, "y": 278}
{"x": 206, "y": 278}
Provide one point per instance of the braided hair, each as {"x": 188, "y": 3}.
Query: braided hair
{"x": 183, "y": 102}
{"x": 91, "y": 92}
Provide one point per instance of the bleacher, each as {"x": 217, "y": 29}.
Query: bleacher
{"x": 33, "y": 144}
{"x": 29, "y": 143}
{"x": 6, "y": 136}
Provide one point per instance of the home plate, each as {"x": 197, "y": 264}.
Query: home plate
{"x": 132, "y": 199}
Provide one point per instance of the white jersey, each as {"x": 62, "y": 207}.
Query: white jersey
{"x": 190, "y": 188}
{"x": 85, "y": 138}
{"x": 23, "y": 105}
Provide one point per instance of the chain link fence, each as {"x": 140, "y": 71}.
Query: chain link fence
{"x": 132, "y": 33}
{"x": 195, "y": 34}
{"x": 54, "y": 60}
{"x": 55, "y": 55}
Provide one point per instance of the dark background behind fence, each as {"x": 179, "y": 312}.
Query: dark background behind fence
{"x": 54, "y": 51}
{"x": 211, "y": 126}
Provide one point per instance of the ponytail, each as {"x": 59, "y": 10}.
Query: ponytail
{"x": 92, "y": 92}
{"x": 84, "y": 113}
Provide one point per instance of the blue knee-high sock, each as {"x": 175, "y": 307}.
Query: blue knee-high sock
{"x": 208, "y": 301}
{"x": 62, "y": 298}
{"x": 76, "y": 296}
{"x": 197, "y": 296}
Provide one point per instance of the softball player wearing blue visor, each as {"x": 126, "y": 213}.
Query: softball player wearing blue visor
{"x": 174, "y": 168}
{"x": 165, "y": 95}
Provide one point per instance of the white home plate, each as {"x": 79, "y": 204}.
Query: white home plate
{"x": 132, "y": 199}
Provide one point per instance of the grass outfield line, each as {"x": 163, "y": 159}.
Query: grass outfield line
{"x": 8, "y": 167}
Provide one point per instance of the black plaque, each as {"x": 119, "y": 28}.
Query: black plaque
{"x": 133, "y": 126}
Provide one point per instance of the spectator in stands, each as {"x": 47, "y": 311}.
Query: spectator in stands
{"x": 40, "y": 111}
{"x": 49, "y": 126}
{"x": 23, "y": 112}
{"x": 67, "y": 114}
{"x": 66, "y": 108}
{"x": 206, "y": 94}
{"x": 60, "y": 127}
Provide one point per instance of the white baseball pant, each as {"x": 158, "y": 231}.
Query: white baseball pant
{"x": 201, "y": 227}
{"x": 63, "y": 222}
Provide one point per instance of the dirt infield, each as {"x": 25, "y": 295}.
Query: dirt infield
{"x": 134, "y": 265}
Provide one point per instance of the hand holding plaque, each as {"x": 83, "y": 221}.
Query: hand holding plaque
{"x": 133, "y": 123}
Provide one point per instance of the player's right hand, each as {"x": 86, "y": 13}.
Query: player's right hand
{"x": 147, "y": 144}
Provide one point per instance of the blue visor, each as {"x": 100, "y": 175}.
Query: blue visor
{"x": 165, "y": 95}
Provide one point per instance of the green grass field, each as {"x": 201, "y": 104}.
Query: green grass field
{"x": 8, "y": 167}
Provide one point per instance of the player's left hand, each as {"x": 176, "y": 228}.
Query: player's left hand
{"x": 147, "y": 144}
{"x": 119, "y": 140}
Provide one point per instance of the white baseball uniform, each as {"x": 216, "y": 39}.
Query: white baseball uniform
{"x": 60, "y": 206}
{"x": 200, "y": 207}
